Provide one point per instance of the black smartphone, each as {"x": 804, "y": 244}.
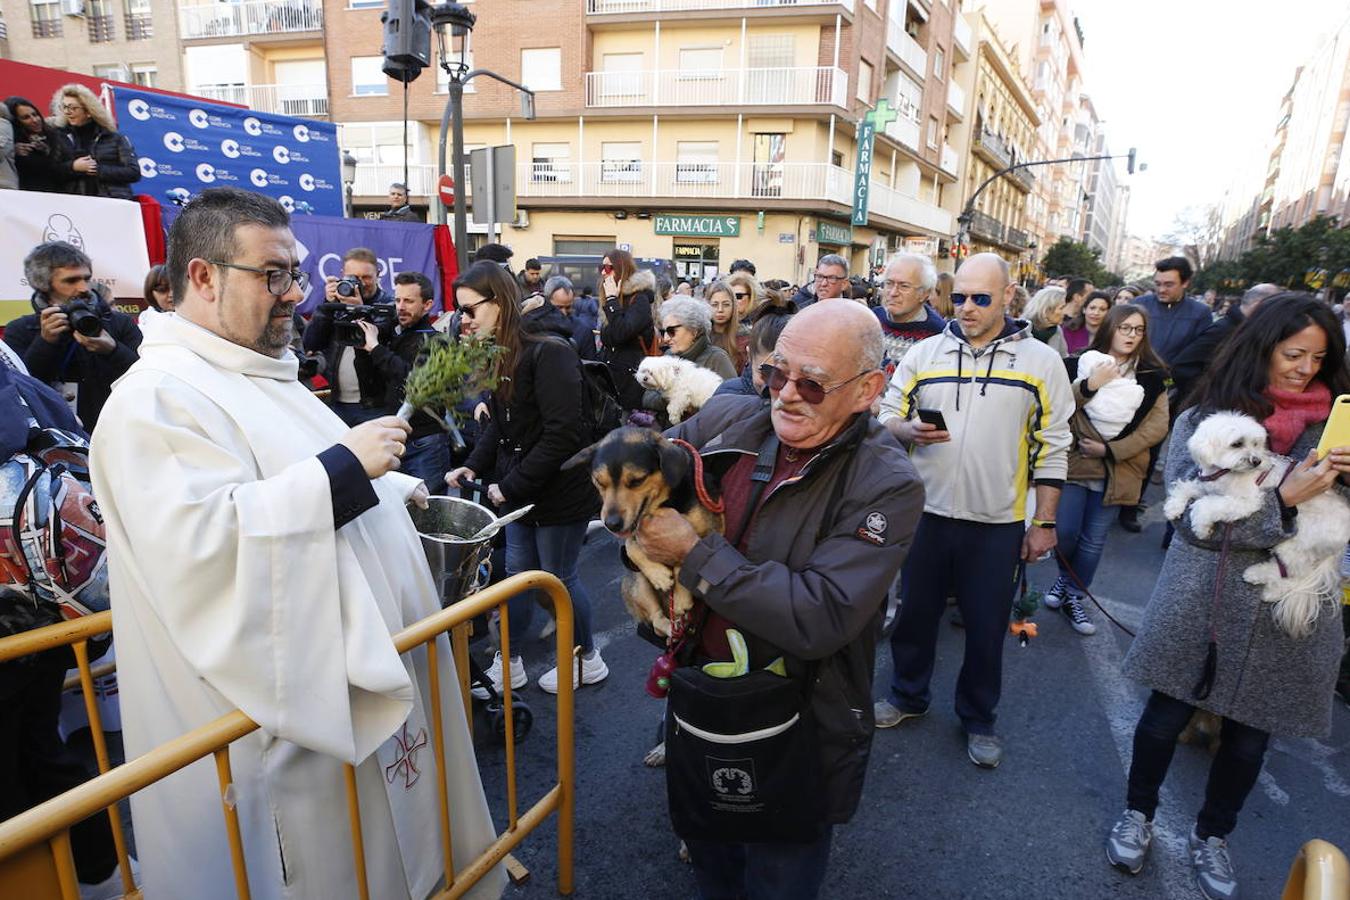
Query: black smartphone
{"x": 933, "y": 417}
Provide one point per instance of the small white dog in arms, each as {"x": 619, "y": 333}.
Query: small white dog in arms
{"x": 685, "y": 385}
{"x": 1236, "y": 469}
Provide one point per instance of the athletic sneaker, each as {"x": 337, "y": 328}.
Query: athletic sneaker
{"x": 494, "y": 673}
{"x": 1078, "y": 617}
{"x": 593, "y": 671}
{"x": 1127, "y": 844}
{"x": 1213, "y": 868}
{"x": 888, "y": 715}
{"x": 1055, "y": 596}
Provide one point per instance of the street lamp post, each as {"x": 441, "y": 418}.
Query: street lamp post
{"x": 348, "y": 182}
{"x": 461, "y": 23}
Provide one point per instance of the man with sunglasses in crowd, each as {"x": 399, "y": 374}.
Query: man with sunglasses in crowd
{"x": 829, "y": 283}
{"x": 357, "y": 390}
{"x": 984, "y": 408}
{"x": 296, "y": 561}
{"x": 801, "y": 574}
{"x": 55, "y": 347}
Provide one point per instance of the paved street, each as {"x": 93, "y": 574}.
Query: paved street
{"x": 931, "y": 824}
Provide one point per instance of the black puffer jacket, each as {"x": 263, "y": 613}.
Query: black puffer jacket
{"x": 524, "y": 444}
{"x": 625, "y": 328}
{"x": 118, "y": 168}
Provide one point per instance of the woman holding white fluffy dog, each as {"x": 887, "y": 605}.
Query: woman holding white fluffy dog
{"x": 1120, "y": 389}
{"x": 1208, "y": 640}
{"x": 685, "y": 331}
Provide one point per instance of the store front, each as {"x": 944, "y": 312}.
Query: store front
{"x": 696, "y": 249}
{"x": 696, "y": 262}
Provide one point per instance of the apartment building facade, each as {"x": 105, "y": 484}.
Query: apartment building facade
{"x": 1003, "y": 132}
{"x": 134, "y": 41}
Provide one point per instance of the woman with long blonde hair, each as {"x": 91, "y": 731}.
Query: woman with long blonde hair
{"x": 100, "y": 161}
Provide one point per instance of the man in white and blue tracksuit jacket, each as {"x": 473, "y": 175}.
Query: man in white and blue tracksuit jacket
{"x": 1006, "y": 401}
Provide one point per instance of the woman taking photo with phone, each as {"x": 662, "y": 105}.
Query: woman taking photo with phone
{"x": 1209, "y": 641}
{"x": 1120, "y": 395}
{"x": 534, "y": 427}
{"x": 627, "y": 333}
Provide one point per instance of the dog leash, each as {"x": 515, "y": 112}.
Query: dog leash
{"x": 1078, "y": 583}
{"x": 716, "y": 506}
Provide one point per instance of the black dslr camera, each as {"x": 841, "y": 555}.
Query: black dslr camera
{"x": 345, "y": 316}
{"x": 348, "y": 287}
{"x": 84, "y": 317}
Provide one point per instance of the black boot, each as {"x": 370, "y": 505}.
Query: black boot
{"x": 1129, "y": 519}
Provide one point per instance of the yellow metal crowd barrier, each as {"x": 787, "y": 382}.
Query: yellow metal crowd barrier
{"x": 35, "y": 856}
{"x": 1320, "y": 872}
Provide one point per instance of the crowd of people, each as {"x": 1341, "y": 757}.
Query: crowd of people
{"x": 922, "y": 441}
{"x": 74, "y": 149}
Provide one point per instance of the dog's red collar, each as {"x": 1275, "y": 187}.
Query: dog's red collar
{"x": 716, "y": 506}
{"x": 1215, "y": 475}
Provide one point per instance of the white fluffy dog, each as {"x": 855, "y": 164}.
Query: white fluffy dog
{"x": 1236, "y": 470}
{"x": 685, "y": 385}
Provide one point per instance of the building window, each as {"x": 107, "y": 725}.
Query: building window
{"x": 864, "y": 81}
{"x": 145, "y": 76}
{"x": 696, "y": 162}
{"x": 621, "y": 162}
{"x": 622, "y": 76}
{"x": 100, "y": 19}
{"x": 939, "y": 64}
{"x": 367, "y": 78}
{"x": 140, "y": 26}
{"x": 550, "y": 162}
{"x": 701, "y": 60}
{"x": 589, "y": 246}
{"x": 932, "y": 132}
{"x": 541, "y": 69}
{"x": 837, "y": 158}
{"x": 365, "y": 4}
{"x": 46, "y": 19}
{"x": 110, "y": 72}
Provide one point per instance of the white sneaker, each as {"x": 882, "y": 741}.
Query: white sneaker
{"x": 1054, "y": 598}
{"x": 110, "y": 888}
{"x": 593, "y": 671}
{"x": 494, "y": 673}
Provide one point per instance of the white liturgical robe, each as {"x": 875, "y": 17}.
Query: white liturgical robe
{"x": 231, "y": 588}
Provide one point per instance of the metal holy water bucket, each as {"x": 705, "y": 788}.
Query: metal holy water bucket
{"x": 459, "y": 565}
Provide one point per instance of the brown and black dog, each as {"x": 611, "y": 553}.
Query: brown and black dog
{"x": 637, "y": 471}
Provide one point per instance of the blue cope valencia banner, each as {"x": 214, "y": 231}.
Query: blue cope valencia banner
{"x": 185, "y": 145}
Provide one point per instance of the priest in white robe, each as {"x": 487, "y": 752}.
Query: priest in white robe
{"x": 260, "y": 557}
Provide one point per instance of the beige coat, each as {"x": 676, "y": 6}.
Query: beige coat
{"x": 1126, "y": 464}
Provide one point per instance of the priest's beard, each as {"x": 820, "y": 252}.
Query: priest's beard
{"x": 276, "y": 333}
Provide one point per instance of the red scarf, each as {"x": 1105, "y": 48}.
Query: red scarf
{"x": 1294, "y": 412}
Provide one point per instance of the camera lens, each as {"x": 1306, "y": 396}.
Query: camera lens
{"x": 83, "y": 319}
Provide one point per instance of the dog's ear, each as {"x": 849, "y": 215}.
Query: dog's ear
{"x": 675, "y": 462}
{"x": 583, "y": 457}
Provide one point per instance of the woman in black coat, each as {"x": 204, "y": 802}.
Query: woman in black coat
{"x": 39, "y": 150}
{"x": 536, "y": 425}
{"x": 101, "y": 161}
{"x": 627, "y": 334}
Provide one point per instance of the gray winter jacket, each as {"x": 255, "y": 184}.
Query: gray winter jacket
{"x": 1265, "y": 678}
{"x": 814, "y": 599}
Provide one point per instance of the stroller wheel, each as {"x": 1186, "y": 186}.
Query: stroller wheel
{"x": 523, "y": 720}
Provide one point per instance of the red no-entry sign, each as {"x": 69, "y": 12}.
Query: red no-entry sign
{"x": 446, "y": 188}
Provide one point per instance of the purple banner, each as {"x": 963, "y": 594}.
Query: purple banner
{"x": 322, "y": 240}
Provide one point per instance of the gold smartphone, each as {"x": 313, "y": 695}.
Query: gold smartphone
{"x": 1337, "y": 432}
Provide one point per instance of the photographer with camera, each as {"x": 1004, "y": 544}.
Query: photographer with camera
{"x": 393, "y": 351}
{"x": 73, "y": 340}
{"x": 357, "y": 391}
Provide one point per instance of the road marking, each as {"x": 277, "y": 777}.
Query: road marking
{"x": 1123, "y": 709}
{"x": 1318, "y": 755}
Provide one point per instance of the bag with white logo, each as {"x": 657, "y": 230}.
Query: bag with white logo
{"x": 742, "y": 761}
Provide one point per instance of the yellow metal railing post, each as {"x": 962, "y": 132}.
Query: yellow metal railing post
{"x": 225, "y": 778}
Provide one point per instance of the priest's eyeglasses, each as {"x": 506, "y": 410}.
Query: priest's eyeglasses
{"x": 279, "y": 281}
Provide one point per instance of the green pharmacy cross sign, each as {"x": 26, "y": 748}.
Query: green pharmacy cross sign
{"x": 880, "y": 117}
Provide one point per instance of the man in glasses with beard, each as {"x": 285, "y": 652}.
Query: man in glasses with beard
{"x": 296, "y": 559}
{"x": 820, "y": 507}
{"x": 985, "y": 409}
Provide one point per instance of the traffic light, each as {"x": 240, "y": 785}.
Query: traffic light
{"x": 1129, "y": 165}
{"x": 407, "y": 39}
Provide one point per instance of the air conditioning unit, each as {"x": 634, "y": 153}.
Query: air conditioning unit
{"x": 72, "y": 7}
{"x": 522, "y": 219}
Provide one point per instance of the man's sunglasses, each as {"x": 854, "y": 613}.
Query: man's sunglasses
{"x": 469, "y": 310}
{"x": 812, "y": 391}
{"x": 279, "y": 281}
{"x": 978, "y": 299}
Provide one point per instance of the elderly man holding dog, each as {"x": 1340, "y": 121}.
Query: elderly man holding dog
{"x": 820, "y": 507}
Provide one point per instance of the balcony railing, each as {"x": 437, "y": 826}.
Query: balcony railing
{"x": 962, "y": 35}
{"x": 824, "y": 85}
{"x": 46, "y": 28}
{"x": 140, "y": 26}
{"x": 101, "y": 30}
{"x": 902, "y": 45}
{"x": 949, "y": 161}
{"x": 308, "y": 100}
{"x": 956, "y": 99}
{"x": 989, "y": 145}
{"x": 1017, "y": 239}
{"x": 630, "y": 7}
{"x": 640, "y": 179}
{"x": 250, "y": 17}
{"x": 906, "y": 131}
{"x": 1024, "y": 179}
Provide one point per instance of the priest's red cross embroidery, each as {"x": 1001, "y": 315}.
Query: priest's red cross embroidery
{"x": 405, "y": 763}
